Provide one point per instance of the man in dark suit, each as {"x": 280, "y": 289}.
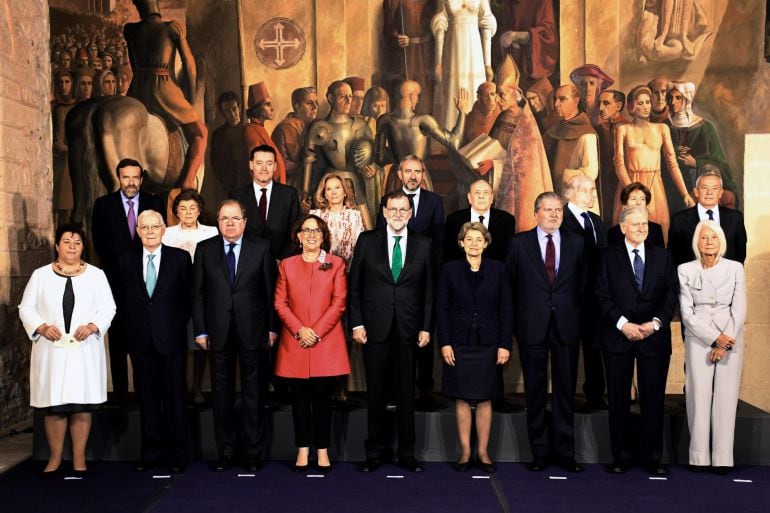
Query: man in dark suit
{"x": 427, "y": 219}
{"x": 548, "y": 275}
{"x": 233, "y": 284}
{"x": 580, "y": 193}
{"x": 113, "y": 224}
{"x": 637, "y": 291}
{"x": 154, "y": 295}
{"x": 707, "y": 191}
{"x": 390, "y": 308}
{"x": 501, "y": 224}
{"x": 271, "y": 207}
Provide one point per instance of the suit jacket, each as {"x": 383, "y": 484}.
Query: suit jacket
{"x": 535, "y": 299}
{"x": 682, "y": 230}
{"x": 575, "y": 225}
{"x": 502, "y": 226}
{"x": 110, "y": 228}
{"x": 249, "y": 299}
{"x": 618, "y": 295}
{"x": 654, "y": 236}
{"x": 282, "y": 213}
{"x": 160, "y": 319}
{"x": 307, "y": 296}
{"x": 428, "y": 221}
{"x": 463, "y": 311}
{"x": 375, "y": 300}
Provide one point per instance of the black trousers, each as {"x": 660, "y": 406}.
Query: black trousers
{"x": 534, "y": 365}
{"x": 593, "y": 368}
{"x": 652, "y": 373}
{"x": 160, "y": 388}
{"x": 119, "y": 359}
{"x": 255, "y": 371}
{"x": 311, "y": 409}
{"x": 381, "y": 361}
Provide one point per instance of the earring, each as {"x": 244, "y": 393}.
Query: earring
{"x": 300, "y": 245}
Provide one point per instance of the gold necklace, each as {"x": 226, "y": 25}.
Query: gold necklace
{"x": 59, "y": 268}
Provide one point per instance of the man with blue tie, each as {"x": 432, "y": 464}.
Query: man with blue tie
{"x": 154, "y": 295}
{"x": 637, "y": 290}
{"x": 233, "y": 284}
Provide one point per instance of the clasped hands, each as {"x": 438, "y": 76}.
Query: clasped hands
{"x": 53, "y": 333}
{"x": 359, "y": 336}
{"x": 636, "y": 332}
{"x": 307, "y": 337}
{"x": 723, "y": 343}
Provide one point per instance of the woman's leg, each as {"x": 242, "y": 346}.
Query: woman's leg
{"x": 55, "y": 431}
{"x": 80, "y": 427}
{"x": 322, "y": 390}
{"x": 463, "y": 415}
{"x": 483, "y": 426}
{"x": 300, "y": 409}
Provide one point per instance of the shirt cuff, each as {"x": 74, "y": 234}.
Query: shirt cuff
{"x": 358, "y": 327}
{"x": 621, "y": 322}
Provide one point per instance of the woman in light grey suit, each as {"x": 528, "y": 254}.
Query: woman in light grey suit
{"x": 713, "y": 302}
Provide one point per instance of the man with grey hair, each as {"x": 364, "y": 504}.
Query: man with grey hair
{"x": 289, "y": 135}
{"x": 154, "y": 295}
{"x": 580, "y": 193}
{"x": 637, "y": 290}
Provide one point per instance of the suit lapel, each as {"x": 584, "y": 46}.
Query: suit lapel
{"x": 411, "y": 249}
{"x": 625, "y": 263}
{"x": 247, "y": 252}
{"x": 138, "y": 268}
{"x": 275, "y": 201}
{"x": 220, "y": 259}
{"x": 382, "y": 254}
{"x": 533, "y": 250}
{"x": 120, "y": 213}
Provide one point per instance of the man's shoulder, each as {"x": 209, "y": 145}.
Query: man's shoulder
{"x": 459, "y": 216}
{"x": 209, "y": 244}
{"x": 175, "y": 253}
{"x": 283, "y": 189}
{"x": 684, "y": 216}
{"x": 728, "y": 212}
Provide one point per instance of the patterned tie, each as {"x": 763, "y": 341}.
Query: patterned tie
{"x": 397, "y": 265}
{"x": 550, "y": 259}
{"x": 588, "y": 229}
{"x": 131, "y": 219}
{"x": 263, "y": 205}
{"x": 638, "y": 269}
{"x": 231, "y": 262}
{"x": 152, "y": 275}
{"x": 710, "y": 214}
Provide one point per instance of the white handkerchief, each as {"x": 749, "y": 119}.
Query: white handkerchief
{"x": 67, "y": 342}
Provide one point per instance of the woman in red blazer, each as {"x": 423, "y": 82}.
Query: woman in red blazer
{"x": 310, "y": 300}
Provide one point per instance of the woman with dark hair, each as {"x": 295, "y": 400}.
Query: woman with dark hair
{"x": 474, "y": 309}
{"x": 187, "y": 207}
{"x": 66, "y": 309}
{"x": 636, "y": 194}
{"x": 310, "y": 300}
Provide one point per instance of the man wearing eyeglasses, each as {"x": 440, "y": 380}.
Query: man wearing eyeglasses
{"x": 271, "y": 207}
{"x": 154, "y": 296}
{"x": 233, "y": 283}
{"x": 390, "y": 307}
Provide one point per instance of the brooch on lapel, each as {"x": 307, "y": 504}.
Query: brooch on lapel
{"x": 322, "y": 259}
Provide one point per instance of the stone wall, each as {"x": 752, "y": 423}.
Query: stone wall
{"x": 26, "y": 223}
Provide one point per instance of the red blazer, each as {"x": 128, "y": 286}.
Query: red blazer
{"x": 307, "y": 296}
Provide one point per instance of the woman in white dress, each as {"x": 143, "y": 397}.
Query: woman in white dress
{"x": 463, "y": 31}
{"x": 66, "y": 308}
{"x": 187, "y": 207}
{"x": 713, "y": 301}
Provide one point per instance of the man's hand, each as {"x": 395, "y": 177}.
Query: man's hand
{"x": 647, "y": 329}
{"x": 272, "y": 338}
{"x": 502, "y": 356}
{"x": 305, "y": 203}
{"x": 359, "y": 335}
{"x": 423, "y": 338}
{"x": 203, "y": 342}
{"x": 485, "y": 166}
{"x": 49, "y": 331}
{"x": 403, "y": 40}
{"x": 369, "y": 171}
{"x": 687, "y": 159}
{"x": 632, "y": 332}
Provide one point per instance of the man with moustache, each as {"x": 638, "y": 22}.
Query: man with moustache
{"x": 261, "y": 109}
{"x": 289, "y": 135}
{"x": 548, "y": 275}
{"x": 154, "y": 294}
{"x": 637, "y": 290}
{"x": 113, "y": 224}
{"x": 233, "y": 284}
{"x": 611, "y": 103}
{"x": 229, "y": 156}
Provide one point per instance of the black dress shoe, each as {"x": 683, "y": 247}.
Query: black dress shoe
{"x": 225, "y": 463}
{"x": 570, "y": 465}
{"x": 324, "y": 469}
{"x": 252, "y": 463}
{"x": 721, "y": 471}
{"x": 619, "y": 467}
{"x": 298, "y": 469}
{"x": 370, "y": 465}
{"x": 461, "y": 466}
{"x": 656, "y": 469}
{"x": 537, "y": 465}
{"x": 410, "y": 464}
{"x": 698, "y": 469}
{"x": 489, "y": 468}
{"x": 143, "y": 465}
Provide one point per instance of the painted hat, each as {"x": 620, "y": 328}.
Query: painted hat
{"x": 356, "y": 83}
{"x": 591, "y": 70}
{"x": 257, "y": 93}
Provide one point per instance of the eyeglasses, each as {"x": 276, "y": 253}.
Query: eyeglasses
{"x": 402, "y": 211}
{"x": 234, "y": 219}
{"x": 312, "y": 231}
{"x": 150, "y": 227}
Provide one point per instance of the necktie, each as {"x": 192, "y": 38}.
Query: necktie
{"x": 263, "y": 205}
{"x": 411, "y": 202}
{"x": 550, "y": 259}
{"x": 131, "y": 219}
{"x": 397, "y": 264}
{"x": 638, "y": 269}
{"x": 231, "y": 262}
{"x": 481, "y": 219}
{"x": 152, "y": 275}
{"x": 710, "y": 214}
{"x": 588, "y": 229}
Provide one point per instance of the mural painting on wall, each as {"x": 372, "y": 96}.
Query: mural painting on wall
{"x": 113, "y": 98}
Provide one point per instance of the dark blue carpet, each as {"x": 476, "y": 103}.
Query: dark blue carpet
{"x": 114, "y": 487}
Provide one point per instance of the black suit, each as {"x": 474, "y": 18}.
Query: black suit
{"x": 547, "y": 317}
{"x": 237, "y": 318}
{"x": 683, "y": 228}
{"x": 502, "y": 227}
{"x": 615, "y": 237}
{"x": 157, "y": 343}
{"x": 393, "y": 313}
{"x": 619, "y": 295}
{"x": 111, "y": 239}
{"x": 282, "y": 213}
{"x": 594, "y": 240}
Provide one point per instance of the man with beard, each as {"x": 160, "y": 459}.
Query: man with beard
{"x": 611, "y": 103}
{"x": 261, "y": 109}
{"x": 289, "y": 135}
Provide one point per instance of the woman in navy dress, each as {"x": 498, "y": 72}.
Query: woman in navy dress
{"x": 475, "y": 328}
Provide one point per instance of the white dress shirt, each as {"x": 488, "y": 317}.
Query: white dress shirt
{"x": 268, "y": 193}
{"x": 542, "y": 240}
